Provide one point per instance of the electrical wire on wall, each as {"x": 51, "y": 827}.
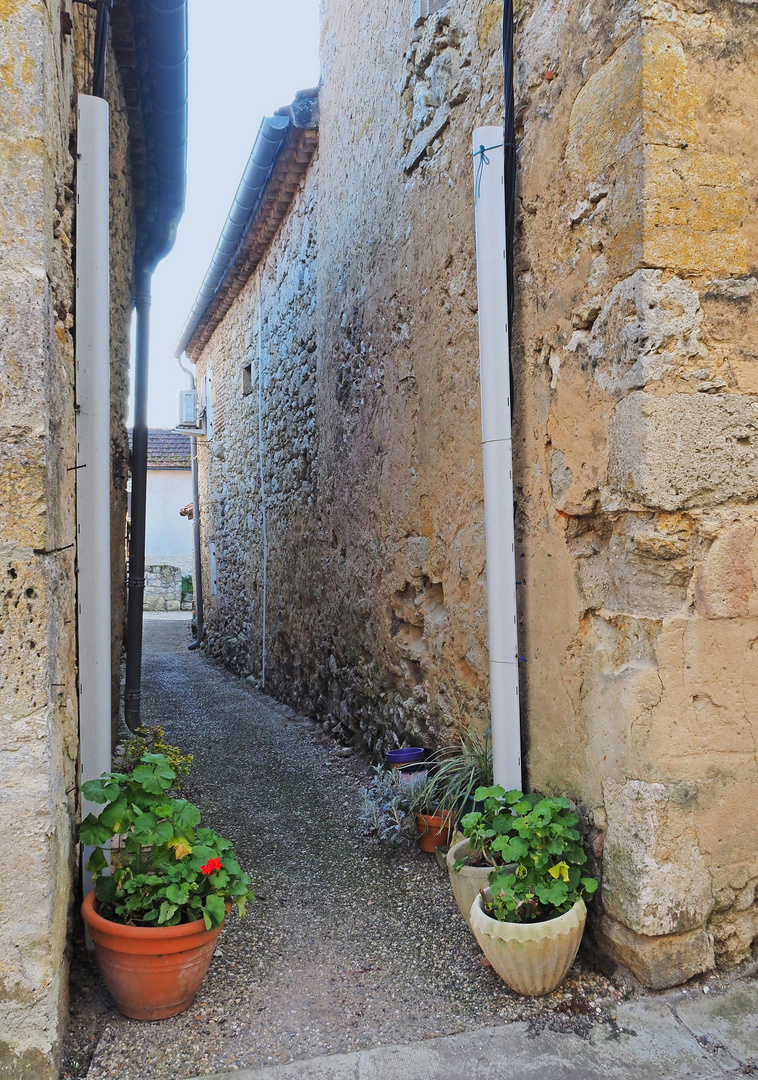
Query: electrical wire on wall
{"x": 509, "y": 142}
{"x": 263, "y": 486}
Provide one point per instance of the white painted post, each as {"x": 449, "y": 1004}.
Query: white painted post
{"x": 497, "y": 454}
{"x": 93, "y": 442}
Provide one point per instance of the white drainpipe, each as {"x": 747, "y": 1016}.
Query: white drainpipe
{"x": 93, "y": 442}
{"x": 497, "y": 454}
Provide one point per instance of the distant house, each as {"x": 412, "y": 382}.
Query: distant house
{"x": 168, "y": 535}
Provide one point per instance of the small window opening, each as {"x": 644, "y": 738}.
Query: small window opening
{"x": 247, "y": 379}
{"x": 422, "y": 9}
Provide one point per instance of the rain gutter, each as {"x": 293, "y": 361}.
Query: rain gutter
{"x": 268, "y": 143}
{"x": 160, "y": 34}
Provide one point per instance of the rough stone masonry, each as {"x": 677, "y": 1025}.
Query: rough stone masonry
{"x": 636, "y": 430}
{"x": 43, "y": 63}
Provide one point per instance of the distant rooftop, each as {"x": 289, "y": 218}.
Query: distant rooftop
{"x": 167, "y": 449}
{"x": 282, "y": 152}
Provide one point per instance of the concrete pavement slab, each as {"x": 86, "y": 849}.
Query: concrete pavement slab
{"x": 728, "y": 1019}
{"x": 646, "y": 1043}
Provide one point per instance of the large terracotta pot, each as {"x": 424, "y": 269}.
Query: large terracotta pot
{"x": 468, "y": 882}
{"x": 151, "y": 972}
{"x": 434, "y": 830}
{"x": 532, "y": 958}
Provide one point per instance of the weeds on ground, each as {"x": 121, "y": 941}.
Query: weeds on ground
{"x": 152, "y": 741}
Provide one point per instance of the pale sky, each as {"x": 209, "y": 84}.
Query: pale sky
{"x": 246, "y": 59}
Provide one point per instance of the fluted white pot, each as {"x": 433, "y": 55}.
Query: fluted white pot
{"x": 469, "y": 880}
{"x": 532, "y": 958}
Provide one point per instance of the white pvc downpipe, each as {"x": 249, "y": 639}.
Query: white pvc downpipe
{"x": 93, "y": 443}
{"x": 497, "y": 454}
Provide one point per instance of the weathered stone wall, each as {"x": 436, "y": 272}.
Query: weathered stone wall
{"x": 38, "y": 711}
{"x": 635, "y": 428}
{"x": 122, "y": 280}
{"x": 38, "y": 739}
{"x": 376, "y": 617}
{"x": 230, "y": 462}
{"x": 163, "y": 588}
{"x": 635, "y": 457}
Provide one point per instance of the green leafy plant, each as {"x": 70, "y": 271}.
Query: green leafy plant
{"x": 168, "y": 870}
{"x": 539, "y": 834}
{"x": 152, "y": 741}
{"x": 186, "y": 584}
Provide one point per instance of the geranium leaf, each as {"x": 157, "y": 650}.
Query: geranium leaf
{"x": 92, "y": 831}
{"x": 97, "y": 861}
{"x": 215, "y": 909}
{"x": 105, "y": 889}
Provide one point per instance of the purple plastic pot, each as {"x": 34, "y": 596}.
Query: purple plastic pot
{"x": 407, "y": 756}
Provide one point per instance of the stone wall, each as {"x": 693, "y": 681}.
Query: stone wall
{"x": 38, "y": 693}
{"x": 635, "y": 457}
{"x": 635, "y": 429}
{"x": 376, "y": 618}
{"x": 163, "y": 589}
{"x": 230, "y": 462}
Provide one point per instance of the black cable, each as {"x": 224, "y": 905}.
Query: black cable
{"x": 101, "y": 47}
{"x": 509, "y": 140}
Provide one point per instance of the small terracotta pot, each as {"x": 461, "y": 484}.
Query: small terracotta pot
{"x": 151, "y": 971}
{"x": 434, "y": 830}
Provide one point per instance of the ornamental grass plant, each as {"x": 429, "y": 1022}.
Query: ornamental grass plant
{"x": 167, "y": 869}
{"x": 459, "y": 770}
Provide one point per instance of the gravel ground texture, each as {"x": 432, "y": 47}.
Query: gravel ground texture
{"x": 350, "y": 945}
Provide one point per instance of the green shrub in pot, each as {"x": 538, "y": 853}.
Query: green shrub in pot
{"x": 539, "y": 833}
{"x": 166, "y": 870}
{"x": 530, "y": 920}
{"x": 460, "y": 769}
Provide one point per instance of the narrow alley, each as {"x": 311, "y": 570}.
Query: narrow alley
{"x": 353, "y": 945}
{"x": 349, "y": 945}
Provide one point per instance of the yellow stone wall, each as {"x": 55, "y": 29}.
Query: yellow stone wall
{"x": 40, "y": 68}
{"x": 637, "y": 459}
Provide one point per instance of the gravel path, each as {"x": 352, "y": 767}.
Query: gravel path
{"x": 350, "y": 944}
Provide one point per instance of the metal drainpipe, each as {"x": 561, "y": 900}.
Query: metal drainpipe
{"x": 196, "y": 544}
{"x": 101, "y": 46}
{"x": 509, "y": 151}
{"x": 136, "y": 589}
{"x": 198, "y": 582}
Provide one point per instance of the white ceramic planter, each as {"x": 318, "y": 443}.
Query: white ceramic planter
{"x": 532, "y": 958}
{"x": 468, "y": 881}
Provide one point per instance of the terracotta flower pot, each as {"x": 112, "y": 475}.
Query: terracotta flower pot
{"x": 151, "y": 972}
{"x": 468, "y": 882}
{"x": 532, "y": 958}
{"x": 434, "y": 830}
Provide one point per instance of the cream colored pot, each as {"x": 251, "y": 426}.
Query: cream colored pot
{"x": 468, "y": 881}
{"x": 532, "y": 958}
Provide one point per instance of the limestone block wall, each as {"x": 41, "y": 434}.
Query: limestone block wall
{"x": 38, "y": 710}
{"x": 635, "y": 404}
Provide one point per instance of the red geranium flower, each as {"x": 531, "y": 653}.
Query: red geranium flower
{"x": 211, "y": 866}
